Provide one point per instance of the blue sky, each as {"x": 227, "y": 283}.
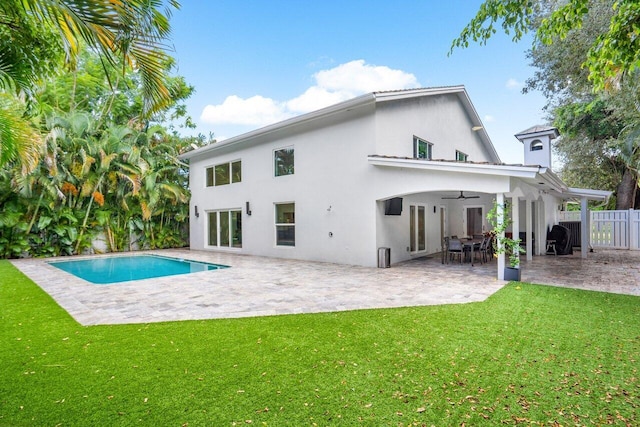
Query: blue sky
{"x": 257, "y": 62}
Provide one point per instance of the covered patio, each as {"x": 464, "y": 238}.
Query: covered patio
{"x": 455, "y": 201}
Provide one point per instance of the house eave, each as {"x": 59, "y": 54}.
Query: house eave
{"x": 589, "y": 194}
{"x": 461, "y": 167}
{"x": 276, "y": 127}
{"x": 370, "y": 98}
{"x": 553, "y": 180}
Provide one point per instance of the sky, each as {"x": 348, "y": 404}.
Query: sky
{"x": 254, "y": 63}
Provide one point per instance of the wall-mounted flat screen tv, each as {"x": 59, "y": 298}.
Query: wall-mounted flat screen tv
{"x": 393, "y": 206}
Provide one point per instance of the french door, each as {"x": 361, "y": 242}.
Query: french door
{"x": 417, "y": 228}
{"x": 473, "y": 220}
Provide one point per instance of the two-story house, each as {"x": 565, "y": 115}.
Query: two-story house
{"x": 397, "y": 169}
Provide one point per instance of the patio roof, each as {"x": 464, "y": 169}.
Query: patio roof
{"x": 578, "y": 193}
{"x": 542, "y": 178}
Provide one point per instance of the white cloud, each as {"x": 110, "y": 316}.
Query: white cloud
{"x": 356, "y": 76}
{"x": 488, "y": 118}
{"x": 513, "y": 84}
{"x": 332, "y": 86}
{"x": 256, "y": 110}
{"x": 315, "y": 98}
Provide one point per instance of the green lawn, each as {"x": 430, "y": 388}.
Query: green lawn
{"x": 530, "y": 355}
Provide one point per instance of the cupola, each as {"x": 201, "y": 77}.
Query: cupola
{"x": 537, "y": 144}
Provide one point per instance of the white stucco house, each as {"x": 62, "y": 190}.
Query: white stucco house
{"x": 389, "y": 169}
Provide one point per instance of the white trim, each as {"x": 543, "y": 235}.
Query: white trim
{"x": 418, "y": 252}
{"x": 435, "y": 165}
{"x": 589, "y": 194}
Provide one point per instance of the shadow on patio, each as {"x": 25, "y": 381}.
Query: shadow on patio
{"x": 616, "y": 271}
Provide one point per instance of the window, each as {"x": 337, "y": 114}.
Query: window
{"x": 536, "y": 145}
{"x": 222, "y": 175}
{"x": 461, "y": 157}
{"x": 286, "y": 224}
{"x": 422, "y": 149}
{"x": 225, "y": 229}
{"x": 225, "y": 173}
{"x": 283, "y": 161}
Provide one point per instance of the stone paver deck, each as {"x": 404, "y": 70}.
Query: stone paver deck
{"x": 258, "y": 286}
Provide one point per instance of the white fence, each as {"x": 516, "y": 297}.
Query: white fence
{"x": 611, "y": 229}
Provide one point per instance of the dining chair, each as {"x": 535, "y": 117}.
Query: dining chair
{"x": 455, "y": 248}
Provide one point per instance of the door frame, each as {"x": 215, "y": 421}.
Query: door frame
{"x": 465, "y": 215}
{"x": 416, "y": 228}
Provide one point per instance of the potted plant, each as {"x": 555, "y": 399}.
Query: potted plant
{"x": 503, "y": 244}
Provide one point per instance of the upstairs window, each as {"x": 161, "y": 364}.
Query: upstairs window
{"x": 283, "y": 161}
{"x": 536, "y": 145}
{"x": 225, "y": 173}
{"x": 422, "y": 149}
{"x": 461, "y": 157}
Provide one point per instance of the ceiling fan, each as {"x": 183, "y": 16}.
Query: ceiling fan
{"x": 462, "y": 197}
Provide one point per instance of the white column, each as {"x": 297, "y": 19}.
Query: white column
{"x": 529, "y": 228}
{"x": 584, "y": 227}
{"x": 500, "y": 221}
{"x": 541, "y": 227}
{"x": 515, "y": 218}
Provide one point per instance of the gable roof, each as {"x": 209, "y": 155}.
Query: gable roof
{"x": 363, "y": 100}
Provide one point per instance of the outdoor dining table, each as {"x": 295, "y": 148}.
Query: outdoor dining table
{"x": 472, "y": 244}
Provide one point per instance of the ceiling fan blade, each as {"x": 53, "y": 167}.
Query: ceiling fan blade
{"x": 461, "y": 197}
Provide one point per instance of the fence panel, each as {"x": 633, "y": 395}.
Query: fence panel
{"x": 634, "y": 229}
{"x": 610, "y": 229}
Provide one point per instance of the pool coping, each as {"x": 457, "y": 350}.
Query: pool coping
{"x": 253, "y": 286}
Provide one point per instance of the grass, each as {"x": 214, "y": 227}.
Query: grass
{"x": 530, "y": 355}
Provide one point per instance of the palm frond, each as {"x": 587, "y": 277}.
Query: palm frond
{"x": 18, "y": 139}
{"x": 132, "y": 32}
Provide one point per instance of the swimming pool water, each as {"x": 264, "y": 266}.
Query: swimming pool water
{"x": 106, "y": 270}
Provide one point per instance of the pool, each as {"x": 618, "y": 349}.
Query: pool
{"x": 107, "y": 270}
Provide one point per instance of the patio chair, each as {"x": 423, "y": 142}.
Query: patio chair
{"x": 484, "y": 249}
{"x": 454, "y": 248}
{"x": 490, "y": 246}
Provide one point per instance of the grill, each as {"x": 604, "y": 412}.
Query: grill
{"x": 575, "y": 236}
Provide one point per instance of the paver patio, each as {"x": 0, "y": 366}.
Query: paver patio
{"x": 258, "y": 286}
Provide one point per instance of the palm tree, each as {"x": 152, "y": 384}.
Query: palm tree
{"x": 33, "y": 33}
{"x": 132, "y": 32}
